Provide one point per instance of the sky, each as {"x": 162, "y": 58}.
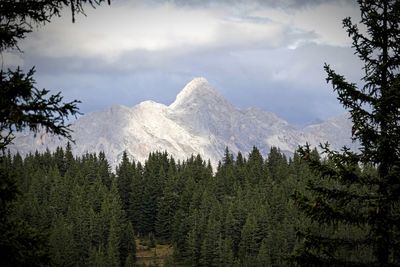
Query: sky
{"x": 257, "y": 53}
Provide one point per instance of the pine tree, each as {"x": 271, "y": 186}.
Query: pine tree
{"x": 113, "y": 259}
{"x": 125, "y": 172}
{"x": 154, "y": 177}
{"x": 255, "y": 166}
{"x": 225, "y": 175}
{"x": 78, "y": 215}
{"x": 209, "y": 252}
{"x": 103, "y": 169}
{"x": 277, "y": 165}
{"x": 193, "y": 242}
{"x": 240, "y": 171}
{"x": 357, "y": 212}
{"x": 135, "y": 199}
{"x": 127, "y": 248}
{"x": 182, "y": 222}
{"x": 166, "y": 209}
{"x": 236, "y": 221}
{"x": 62, "y": 246}
{"x": 248, "y": 244}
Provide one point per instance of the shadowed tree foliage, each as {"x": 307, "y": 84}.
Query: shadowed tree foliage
{"x": 355, "y": 203}
{"x": 83, "y": 216}
{"x": 22, "y": 106}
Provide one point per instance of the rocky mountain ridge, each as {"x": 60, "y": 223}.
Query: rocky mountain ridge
{"x": 200, "y": 121}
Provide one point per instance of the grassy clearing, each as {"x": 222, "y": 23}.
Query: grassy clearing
{"x": 152, "y": 256}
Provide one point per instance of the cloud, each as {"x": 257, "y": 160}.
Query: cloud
{"x": 11, "y": 59}
{"x": 324, "y": 21}
{"x": 257, "y": 53}
{"x": 110, "y": 31}
{"x": 285, "y": 4}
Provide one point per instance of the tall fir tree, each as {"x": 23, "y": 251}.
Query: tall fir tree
{"x": 357, "y": 211}
{"x": 125, "y": 172}
{"x": 166, "y": 207}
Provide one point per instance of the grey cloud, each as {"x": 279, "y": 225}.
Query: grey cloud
{"x": 294, "y": 4}
{"x": 145, "y": 60}
{"x": 252, "y": 19}
{"x": 285, "y": 4}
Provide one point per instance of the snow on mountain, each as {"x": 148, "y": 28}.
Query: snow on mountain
{"x": 336, "y": 131}
{"x": 200, "y": 121}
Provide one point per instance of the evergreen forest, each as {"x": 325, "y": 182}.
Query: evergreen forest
{"x": 241, "y": 215}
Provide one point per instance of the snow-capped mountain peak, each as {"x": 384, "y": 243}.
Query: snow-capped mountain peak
{"x": 198, "y": 92}
{"x": 200, "y": 121}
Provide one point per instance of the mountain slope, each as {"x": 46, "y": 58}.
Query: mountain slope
{"x": 200, "y": 121}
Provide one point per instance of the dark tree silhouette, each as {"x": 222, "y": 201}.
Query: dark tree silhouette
{"x": 22, "y": 105}
{"x": 355, "y": 203}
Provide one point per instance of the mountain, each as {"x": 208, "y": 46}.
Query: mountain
{"x": 200, "y": 121}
